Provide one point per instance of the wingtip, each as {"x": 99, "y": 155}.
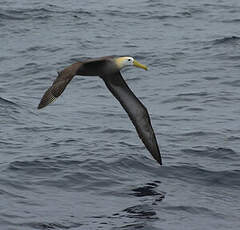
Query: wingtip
{"x": 157, "y": 156}
{"x": 40, "y": 106}
{"x": 159, "y": 160}
{"x": 47, "y": 99}
{"x": 43, "y": 104}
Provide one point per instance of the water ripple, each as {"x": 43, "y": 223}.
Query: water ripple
{"x": 79, "y": 164}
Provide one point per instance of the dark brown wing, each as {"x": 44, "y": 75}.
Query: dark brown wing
{"x": 58, "y": 86}
{"x": 91, "y": 67}
{"x": 136, "y": 111}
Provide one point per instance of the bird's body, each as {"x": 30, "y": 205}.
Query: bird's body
{"x": 108, "y": 68}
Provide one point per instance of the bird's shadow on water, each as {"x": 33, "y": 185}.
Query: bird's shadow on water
{"x": 141, "y": 216}
{"x": 148, "y": 190}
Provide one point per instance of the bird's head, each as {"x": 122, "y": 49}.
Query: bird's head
{"x": 128, "y": 61}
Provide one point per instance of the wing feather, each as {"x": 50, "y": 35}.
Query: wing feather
{"x": 59, "y": 85}
{"x": 136, "y": 111}
{"x": 91, "y": 67}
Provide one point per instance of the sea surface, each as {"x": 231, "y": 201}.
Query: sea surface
{"x": 78, "y": 164}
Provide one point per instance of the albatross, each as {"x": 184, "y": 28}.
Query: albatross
{"x": 108, "y": 69}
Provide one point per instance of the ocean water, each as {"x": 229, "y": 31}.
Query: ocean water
{"x": 78, "y": 164}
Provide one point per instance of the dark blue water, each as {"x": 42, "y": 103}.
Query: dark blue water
{"x": 78, "y": 164}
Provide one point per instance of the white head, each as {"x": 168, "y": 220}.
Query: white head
{"x": 128, "y": 61}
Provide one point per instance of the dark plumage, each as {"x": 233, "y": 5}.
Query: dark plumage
{"x": 108, "y": 68}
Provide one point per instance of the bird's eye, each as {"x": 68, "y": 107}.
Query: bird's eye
{"x": 129, "y": 59}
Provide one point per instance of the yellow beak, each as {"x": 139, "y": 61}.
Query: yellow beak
{"x": 139, "y": 65}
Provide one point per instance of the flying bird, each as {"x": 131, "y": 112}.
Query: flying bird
{"x": 108, "y": 69}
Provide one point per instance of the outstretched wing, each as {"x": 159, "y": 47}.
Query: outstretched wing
{"x": 136, "y": 111}
{"x": 91, "y": 67}
{"x": 58, "y": 86}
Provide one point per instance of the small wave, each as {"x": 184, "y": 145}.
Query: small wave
{"x": 49, "y": 225}
{"x": 196, "y": 134}
{"x": 11, "y": 194}
{"x": 28, "y": 10}
{"x": 133, "y": 79}
{"x": 192, "y": 94}
{"x": 34, "y": 167}
{"x": 148, "y": 190}
{"x": 9, "y": 17}
{"x": 35, "y": 48}
{"x": 145, "y": 15}
{"x": 83, "y": 13}
{"x": 141, "y": 211}
{"x": 137, "y": 225}
{"x": 43, "y": 129}
{"x": 216, "y": 153}
{"x": 237, "y": 20}
{"x": 179, "y": 107}
{"x": 194, "y": 109}
{"x": 178, "y": 99}
{"x": 235, "y": 83}
{"x": 233, "y": 138}
{"x": 186, "y": 13}
{"x": 41, "y": 12}
{"x": 226, "y": 40}
{"x": 6, "y": 102}
{"x": 163, "y": 17}
{"x": 160, "y": 4}
{"x": 194, "y": 210}
{"x": 210, "y": 78}
{"x": 26, "y": 13}
{"x": 111, "y": 130}
{"x": 80, "y": 174}
{"x": 219, "y": 6}
{"x": 229, "y": 178}
{"x": 97, "y": 86}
